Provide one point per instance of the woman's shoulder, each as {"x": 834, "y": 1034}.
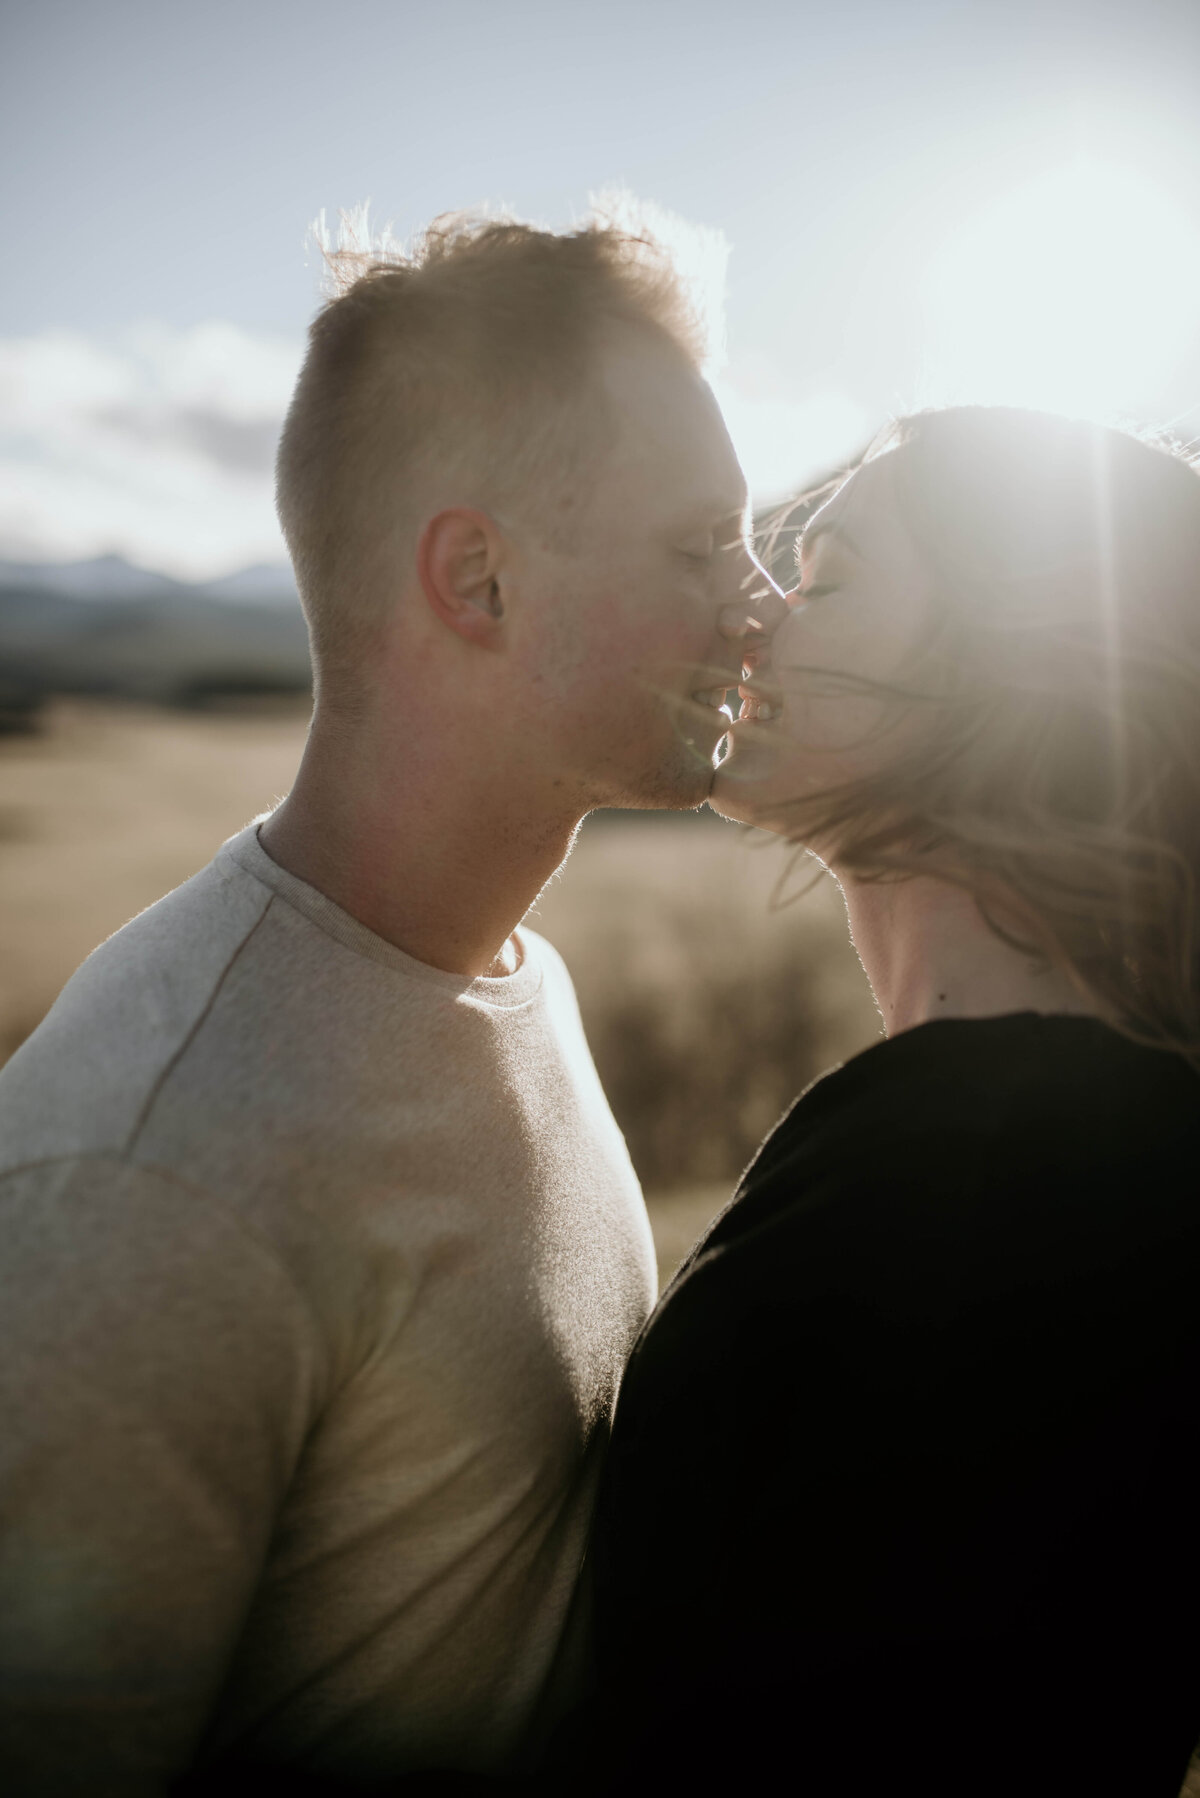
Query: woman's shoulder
{"x": 1011, "y": 1128}
{"x": 1012, "y": 1086}
{"x": 961, "y": 1244}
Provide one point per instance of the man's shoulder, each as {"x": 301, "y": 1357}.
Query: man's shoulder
{"x": 553, "y": 968}
{"x": 80, "y": 1083}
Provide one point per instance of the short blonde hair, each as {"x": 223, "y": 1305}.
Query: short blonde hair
{"x": 474, "y": 351}
{"x": 1057, "y": 773}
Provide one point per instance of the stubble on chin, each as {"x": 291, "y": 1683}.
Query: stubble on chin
{"x": 680, "y": 784}
{"x": 669, "y": 770}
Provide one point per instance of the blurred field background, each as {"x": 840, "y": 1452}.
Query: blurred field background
{"x": 707, "y": 1004}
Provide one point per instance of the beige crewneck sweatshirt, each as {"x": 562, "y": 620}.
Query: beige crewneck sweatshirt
{"x": 318, "y": 1270}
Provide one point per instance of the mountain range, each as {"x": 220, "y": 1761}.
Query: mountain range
{"x": 112, "y": 577}
{"x": 107, "y": 627}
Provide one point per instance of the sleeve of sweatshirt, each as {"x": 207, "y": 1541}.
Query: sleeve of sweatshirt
{"x": 158, "y": 1373}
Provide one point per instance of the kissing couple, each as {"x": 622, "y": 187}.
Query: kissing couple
{"x": 344, "y": 1446}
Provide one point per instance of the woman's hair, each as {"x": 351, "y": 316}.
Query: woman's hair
{"x": 1050, "y": 762}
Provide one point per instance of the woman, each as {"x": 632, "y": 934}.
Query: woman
{"x": 902, "y": 1492}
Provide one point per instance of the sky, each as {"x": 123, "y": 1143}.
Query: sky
{"x": 925, "y": 201}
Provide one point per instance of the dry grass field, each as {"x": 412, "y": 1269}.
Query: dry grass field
{"x": 708, "y": 1007}
{"x": 104, "y": 810}
{"x": 707, "y": 1010}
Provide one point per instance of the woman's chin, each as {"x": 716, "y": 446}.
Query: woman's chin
{"x": 747, "y": 786}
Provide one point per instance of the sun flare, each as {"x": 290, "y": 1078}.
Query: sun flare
{"x": 1074, "y": 293}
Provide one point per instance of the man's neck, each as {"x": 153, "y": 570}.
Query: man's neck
{"x": 929, "y": 954}
{"x": 441, "y": 859}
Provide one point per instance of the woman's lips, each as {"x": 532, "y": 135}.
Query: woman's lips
{"x": 761, "y": 704}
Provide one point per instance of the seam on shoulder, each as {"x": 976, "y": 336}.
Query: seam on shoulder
{"x": 28, "y": 1167}
{"x": 174, "y": 1059}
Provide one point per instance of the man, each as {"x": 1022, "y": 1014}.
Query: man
{"x": 321, "y": 1253}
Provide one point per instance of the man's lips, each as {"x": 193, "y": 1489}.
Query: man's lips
{"x": 719, "y": 679}
{"x": 714, "y": 698}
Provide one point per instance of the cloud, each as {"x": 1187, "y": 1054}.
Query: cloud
{"x": 238, "y": 445}
{"x": 157, "y": 444}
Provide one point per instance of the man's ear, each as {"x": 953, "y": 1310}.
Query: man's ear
{"x": 460, "y": 553}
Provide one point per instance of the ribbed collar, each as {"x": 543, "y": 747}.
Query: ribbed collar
{"x": 508, "y": 990}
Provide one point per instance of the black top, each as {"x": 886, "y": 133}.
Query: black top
{"x": 903, "y": 1492}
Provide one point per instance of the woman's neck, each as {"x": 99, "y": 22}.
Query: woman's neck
{"x": 929, "y": 954}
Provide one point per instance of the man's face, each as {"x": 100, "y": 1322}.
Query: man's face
{"x": 629, "y": 664}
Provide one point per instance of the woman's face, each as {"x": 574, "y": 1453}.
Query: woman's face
{"x": 858, "y": 610}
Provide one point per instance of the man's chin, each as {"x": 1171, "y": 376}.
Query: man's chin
{"x": 677, "y": 788}
{"x": 663, "y": 796}
{"x": 678, "y": 779}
